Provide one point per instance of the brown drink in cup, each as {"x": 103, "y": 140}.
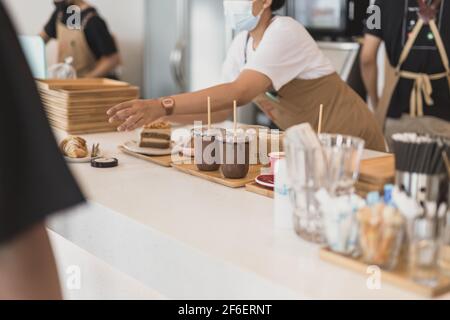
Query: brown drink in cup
{"x": 235, "y": 156}
{"x": 206, "y": 149}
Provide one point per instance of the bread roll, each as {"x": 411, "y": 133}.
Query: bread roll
{"x": 74, "y": 147}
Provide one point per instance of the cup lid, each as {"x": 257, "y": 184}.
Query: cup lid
{"x": 205, "y": 132}
{"x": 230, "y": 136}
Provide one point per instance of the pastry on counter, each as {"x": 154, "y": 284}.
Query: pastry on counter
{"x": 74, "y": 147}
{"x": 156, "y": 135}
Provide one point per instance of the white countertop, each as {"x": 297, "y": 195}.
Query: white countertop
{"x": 190, "y": 238}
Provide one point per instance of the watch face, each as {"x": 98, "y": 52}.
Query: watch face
{"x": 168, "y": 103}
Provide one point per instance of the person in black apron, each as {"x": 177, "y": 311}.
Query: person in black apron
{"x": 416, "y": 97}
{"x": 276, "y": 64}
{"x": 34, "y": 179}
{"x": 91, "y": 45}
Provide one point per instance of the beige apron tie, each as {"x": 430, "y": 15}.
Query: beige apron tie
{"x": 422, "y": 90}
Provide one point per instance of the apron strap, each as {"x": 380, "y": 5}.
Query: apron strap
{"x": 440, "y": 45}
{"x": 246, "y": 48}
{"x": 85, "y": 20}
{"x": 409, "y": 44}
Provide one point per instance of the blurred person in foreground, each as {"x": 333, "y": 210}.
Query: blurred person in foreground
{"x": 34, "y": 180}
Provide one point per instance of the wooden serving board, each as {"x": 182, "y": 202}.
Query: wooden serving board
{"x": 164, "y": 161}
{"x": 262, "y": 191}
{"x": 378, "y": 171}
{"x": 217, "y": 177}
{"x": 398, "y": 277}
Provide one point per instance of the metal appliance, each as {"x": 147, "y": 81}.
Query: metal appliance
{"x": 330, "y": 19}
{"x": 185, "y": 45}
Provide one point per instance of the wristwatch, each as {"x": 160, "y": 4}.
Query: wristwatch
{"x": 169, "y": 105}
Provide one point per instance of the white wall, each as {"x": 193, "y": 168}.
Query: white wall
{"x": 125, "y": 18}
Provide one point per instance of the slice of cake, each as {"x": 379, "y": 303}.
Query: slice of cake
{"x": 156, "y": 135}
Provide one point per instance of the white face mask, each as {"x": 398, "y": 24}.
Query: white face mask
{"x": 239, "y": 15}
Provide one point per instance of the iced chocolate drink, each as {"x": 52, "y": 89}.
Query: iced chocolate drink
{"x": 235, "y": 156}
{"x": 207, "y": 149}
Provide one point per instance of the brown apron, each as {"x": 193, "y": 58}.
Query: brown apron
{"x": 344, "y": 111}
{"x": 73, "y": 43}
{"x": 422, "y": 89}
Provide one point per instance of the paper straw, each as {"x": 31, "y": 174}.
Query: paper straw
{"x": 235, "y": 116}
{"x": 209, "y": 113}
{"x": 319, "y": 129}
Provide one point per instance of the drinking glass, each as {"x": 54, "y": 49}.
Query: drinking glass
{"x": 343, "y": 156}
{"x": 333, "y": 166}
{"x": 444, "y": 249}
{"x": 423, "y": 252}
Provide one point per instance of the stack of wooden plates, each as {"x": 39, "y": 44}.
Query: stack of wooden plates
{"x": 79, "y": 106}
{"x": 375, "y": 174}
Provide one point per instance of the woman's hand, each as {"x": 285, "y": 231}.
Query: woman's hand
{"x": 135, "y": 114}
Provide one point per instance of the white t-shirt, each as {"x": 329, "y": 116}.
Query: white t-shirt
{"x": 286, "y": 52}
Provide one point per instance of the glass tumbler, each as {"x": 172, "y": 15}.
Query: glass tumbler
{"x": 423, "y": 252}
{"x": 343, "y": 156}
{"x": 444, "y": 249}
{"x": 334, "y": 166}
{"x": 307, "y": 176}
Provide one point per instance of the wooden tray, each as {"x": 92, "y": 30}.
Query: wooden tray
{"x": 378, "y": 171}
{"x": 262, "y": 191}
{"x": 217, "y": 177}
{"x": 164, "y": 161}
{"x": 87, "y": 96}
{"x": 398, "y": 277}
{"x": 364, "y": 188}
{"x": 77, "y": 84}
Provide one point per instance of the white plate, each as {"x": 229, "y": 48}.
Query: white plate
{"x": 134, "y": 147}
{"x": 263, "y": 183}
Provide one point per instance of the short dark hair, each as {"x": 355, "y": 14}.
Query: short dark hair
{"x": 277, "y": 4}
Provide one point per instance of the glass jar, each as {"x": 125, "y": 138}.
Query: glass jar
{"x": 381, "y": 234}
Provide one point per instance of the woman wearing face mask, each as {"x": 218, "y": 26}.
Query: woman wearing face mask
{"x": 91, "y": 45}
{"x": 275, "y": 63}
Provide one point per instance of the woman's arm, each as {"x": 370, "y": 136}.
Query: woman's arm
{"x": 137, "y": 113}
{"x": 27, "y": 268}
{"x": 216, "y": 117}
{"x": 369, "y": 67}
{"x": 104, "y": 66}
